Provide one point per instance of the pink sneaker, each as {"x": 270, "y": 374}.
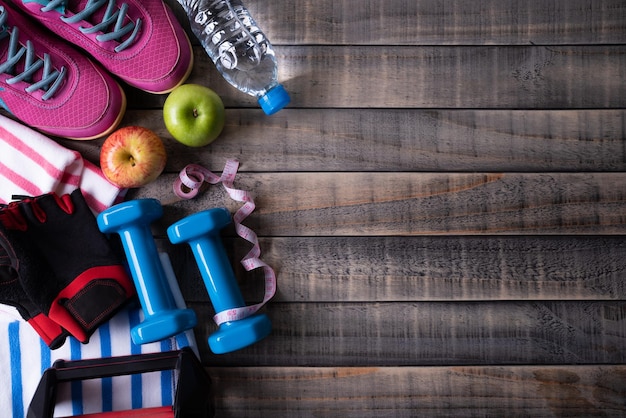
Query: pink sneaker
{"x": 140, "y": 41}
{"x": 50, "y": 86}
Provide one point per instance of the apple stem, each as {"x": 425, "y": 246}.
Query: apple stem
{"x": 195, "y": 113}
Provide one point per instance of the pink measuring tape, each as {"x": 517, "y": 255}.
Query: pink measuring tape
{"x": 192, "y": 177}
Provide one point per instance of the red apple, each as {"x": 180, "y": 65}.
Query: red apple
{"x": 132, "y": 156}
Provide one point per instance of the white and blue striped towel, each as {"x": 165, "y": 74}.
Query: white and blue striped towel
{"x": 24, "y": 357}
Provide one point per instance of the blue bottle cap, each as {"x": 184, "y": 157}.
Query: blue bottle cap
{"x": 274, "y": 100}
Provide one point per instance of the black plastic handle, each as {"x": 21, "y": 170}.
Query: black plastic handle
{"x": 192, "y": 399}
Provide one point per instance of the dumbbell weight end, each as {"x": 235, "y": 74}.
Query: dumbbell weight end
{"x": 233, "y": 336}
{"x": 163, "y": 325}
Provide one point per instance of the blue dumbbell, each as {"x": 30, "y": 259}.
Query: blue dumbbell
{"x": 163, "y": 319}
{"x": 201, "y": 231}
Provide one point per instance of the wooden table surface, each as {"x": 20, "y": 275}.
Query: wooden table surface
{"x": 444, "y": 203}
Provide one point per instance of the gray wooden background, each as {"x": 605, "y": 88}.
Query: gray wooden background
{"x": 444, "y": 203}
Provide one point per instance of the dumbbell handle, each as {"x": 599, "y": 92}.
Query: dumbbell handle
{"x": 217, "y": 272}
{"x": 146, "y": 269}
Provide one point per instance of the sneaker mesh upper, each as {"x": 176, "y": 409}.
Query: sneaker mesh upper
{"x": 87, "y": 104}
{"x": 158, "y": 59}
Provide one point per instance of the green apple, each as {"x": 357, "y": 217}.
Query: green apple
{"x": 194, "y": 115}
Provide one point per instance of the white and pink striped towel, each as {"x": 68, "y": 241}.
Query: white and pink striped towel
{"x": 32, "y": 164}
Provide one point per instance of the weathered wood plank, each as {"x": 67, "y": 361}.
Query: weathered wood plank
{"x": 538, "y": 391}
{"x": 379, "y": 269}
{"x": 435, "y": 22}
{"x": 431, "y": 333}
{"x": 335, "y": 204}
{"x": 402, "y": 140}
{"x": 456, "y": 22}
{"x": 505, "y": 77}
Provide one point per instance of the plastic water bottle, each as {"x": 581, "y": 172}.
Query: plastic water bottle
{"x": 240, "y": 50}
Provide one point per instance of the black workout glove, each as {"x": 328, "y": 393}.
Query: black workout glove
{"x": 12, "y": 267}
{"x": 86, "y": 282}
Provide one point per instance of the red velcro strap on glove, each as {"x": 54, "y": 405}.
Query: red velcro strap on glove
{"x": 90, "y": 299}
